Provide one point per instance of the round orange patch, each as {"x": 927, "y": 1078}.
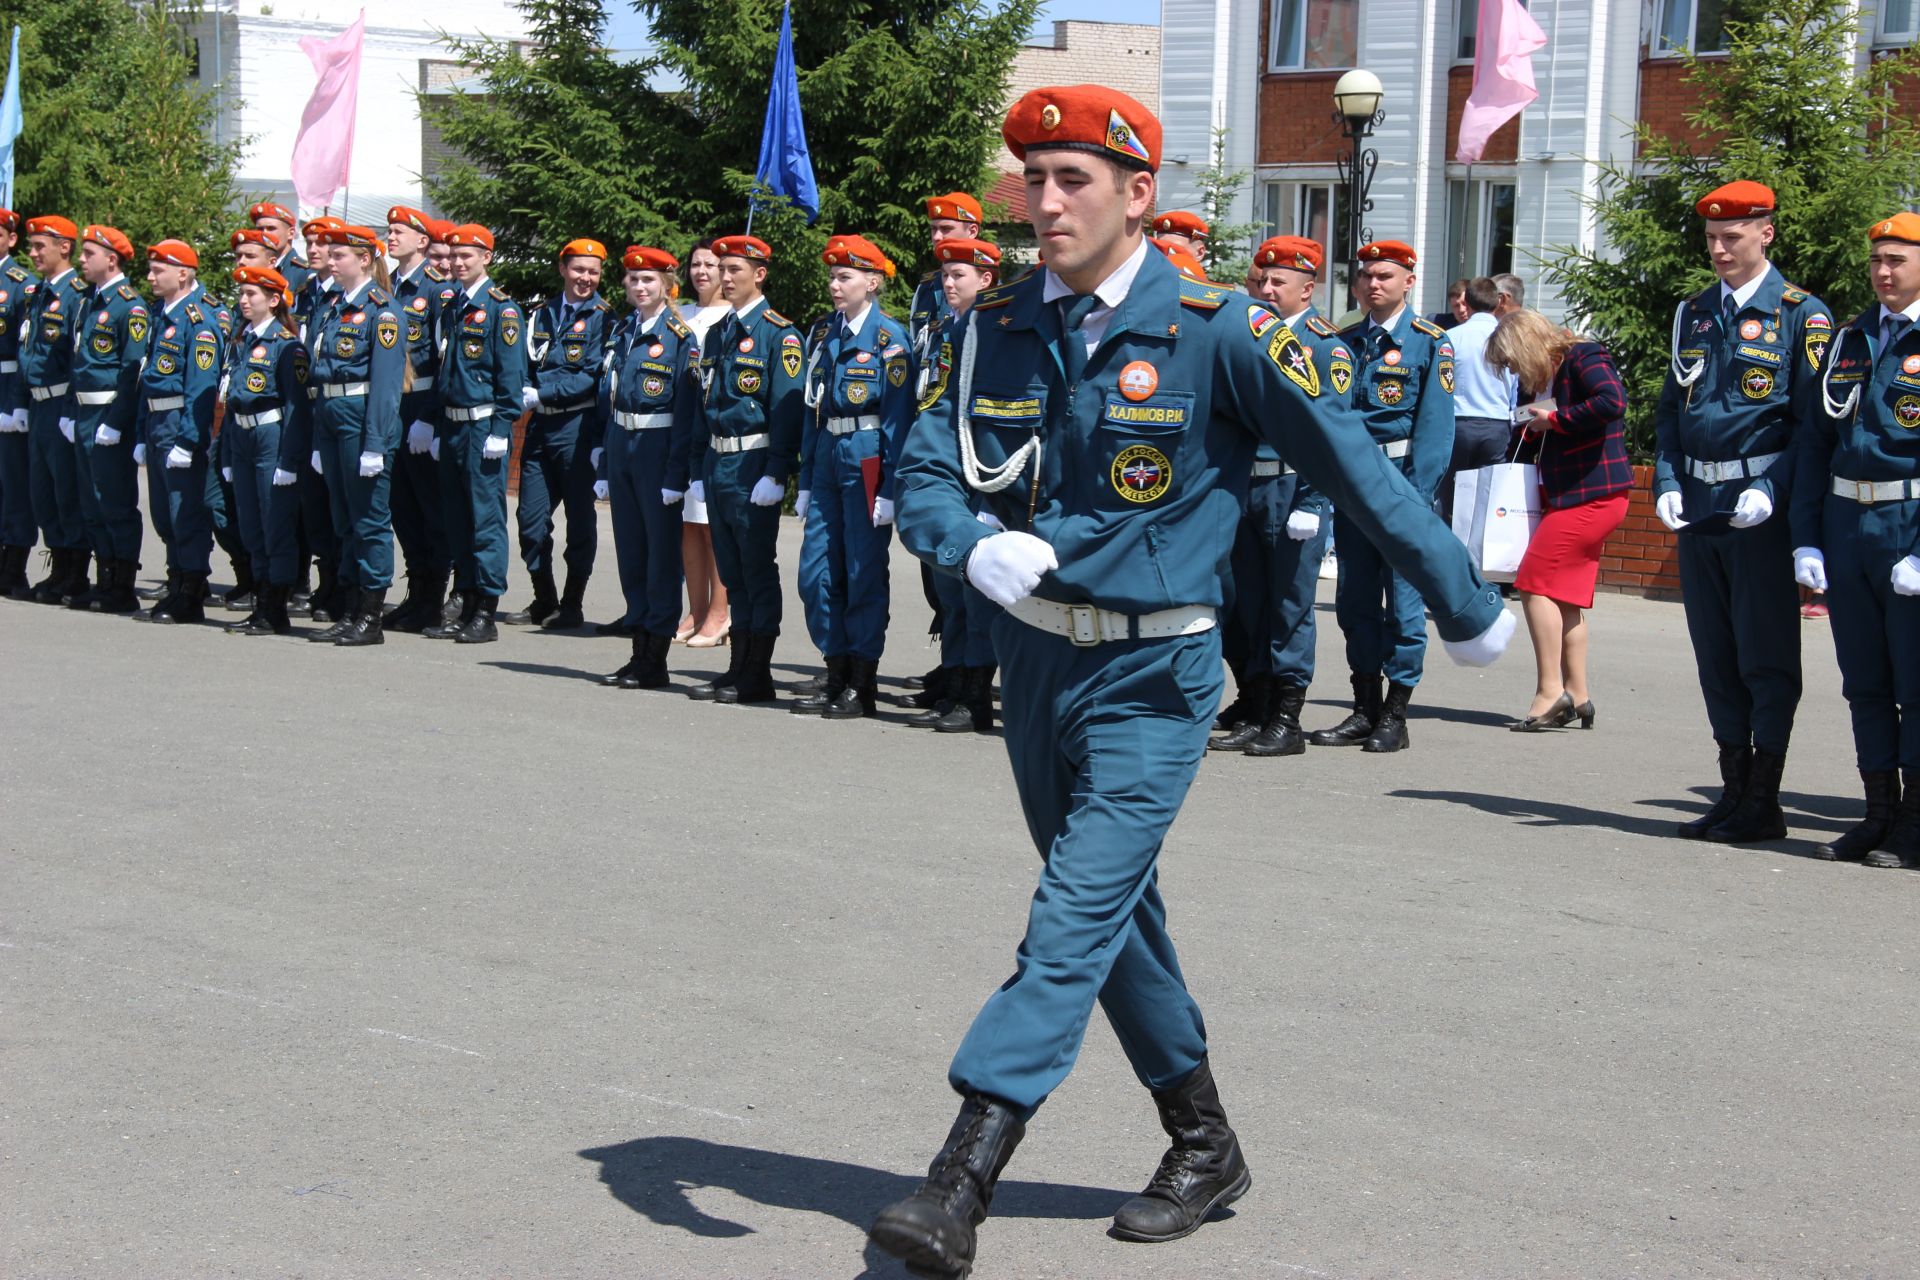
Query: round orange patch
{"x": 1139, "y": 380}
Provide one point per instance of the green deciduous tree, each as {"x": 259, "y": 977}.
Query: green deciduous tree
{"x": 1786, "y": 107}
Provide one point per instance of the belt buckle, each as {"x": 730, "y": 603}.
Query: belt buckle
{"x": 1083, "y": 621}
{"x": 1863, "y": 493}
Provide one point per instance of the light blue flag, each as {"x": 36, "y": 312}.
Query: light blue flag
{"x": 785, "y": 167}
{"x": 12, "y": 123}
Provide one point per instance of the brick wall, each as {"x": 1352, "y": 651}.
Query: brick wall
{"x": 1641, "y": 557}
{"x": 1503, "y": 147}
{"x": 1296, "y": 118}
{"x": 1120, "y": 55}
{"x": 1666, "y": 96}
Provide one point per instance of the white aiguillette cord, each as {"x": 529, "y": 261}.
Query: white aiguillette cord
{"x": 987, "y": 479}
{"x": 1682, "y": 374}
{"x": 1826, "y": 394}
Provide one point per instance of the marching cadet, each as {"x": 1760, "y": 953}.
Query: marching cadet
{"x": 17, "y": 286}
{"x": 961, "y": 699}
{"x": 265, "y": 440}
{"x": 860, "y": 407}
{"x": 422, "y": 292}
{"x": 179, "y": 385}
{"x": 360, "y": 371}
{"x": 46, "y": 367}
{"x": 109, "y": 344}
{"x": 566, "y": 346}
{"x": 1105, "y": 413}
{"x": 1745, "y": 368}
{"x": 1185, "y": 230}
{"x": 742, "y": 456}
{"x": 483, "y": 369}
{"x": 279, "y": 221}
{"x": 1283, "y": 534}
{"x": 652, "y": 407}
{"x": 1856, "y": 523}
{"x": 1405, "y": 392}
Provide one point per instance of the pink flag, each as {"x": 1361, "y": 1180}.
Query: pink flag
{"x": 1503, "y": 53}
{"x": 323, "y": 149}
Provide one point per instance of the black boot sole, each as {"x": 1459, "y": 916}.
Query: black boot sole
{"x": 1226, "y": 1196}
{"x": 919, "y": 1256}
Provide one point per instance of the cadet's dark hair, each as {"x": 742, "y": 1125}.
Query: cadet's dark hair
{"x": 1482, "y": 294}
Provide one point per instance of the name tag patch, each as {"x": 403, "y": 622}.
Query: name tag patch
{"x": 1152, "y": 415}
{"x": 1760, "y": 355}
{"x": 984, "y": 407}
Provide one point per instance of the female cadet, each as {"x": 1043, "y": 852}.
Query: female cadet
{"x": 652, "y": 402}
{"x": 360, "y": 368}
{"x": 266, "y": 440}
{"x": 705, "y": 625}
{"x": 858, "y": 409}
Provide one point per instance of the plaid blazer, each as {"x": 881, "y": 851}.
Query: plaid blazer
{"x": 1583, "y": 455}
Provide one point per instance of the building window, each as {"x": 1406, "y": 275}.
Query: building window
{"x": 1899, "y": 22}
{"x": 1317, "y": 211}
{"x": 1466, "y": 26}
{"x": 1479, "y": 228}
{"x": 1309, "y": 35}
{"x": 1696, "y": 25}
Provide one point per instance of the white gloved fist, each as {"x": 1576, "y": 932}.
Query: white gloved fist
{"x": 140, "y": 455}
{"x": 281, "y": 479}
{"x": 529, "y": 398}
{"x": 177, "y": 458}
{"x": 314, "y": 462}
{"x": 1810, "y": 568}
{"x": 19, "y": 420}
{"x": 697, "y": 491}
{"x": 105, "y": 435}
{"x": 766, "y": 492}
{"x": 602, "y": 490}
{"x": 671, "y": 496}
{"x": 226, "y": 474}
{"x": 371, "y": 464}
{"x": 991, "y": 520}
{"x": 1302, "y": 525}
{"x": 433, "y": 449}
{"x": 1751, "y": 508}
{"x": 882, "y": 512}
{"x": 1485, "y": 647}
{"x": 66, "y": 429}
{"x": 802, "y": 503}
{"x": 1667, "y": 507}
{"x": 593, "y": 459}
{"x": 419, "y": 438}
{"x": 496, "y": 447}
{"x": 1906, "y": 576}
{"x": 1008, "y": 566}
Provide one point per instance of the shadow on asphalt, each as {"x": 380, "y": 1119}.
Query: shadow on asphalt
{"x": 543, "y": 669}
{"x": 655, "y": 1177}
{"x": 1417, "y": 713}
{"x": 1549, "y": 813}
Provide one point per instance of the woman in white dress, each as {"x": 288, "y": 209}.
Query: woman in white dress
{"x": 706, "y": 622}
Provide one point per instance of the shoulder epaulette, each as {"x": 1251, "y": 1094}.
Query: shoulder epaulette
{"x": 497, "y": 293}
{"x": 125, "y": 290}
{"x": 1322, "y": 326}
{"x": 1203, "y": 297}
{"x": 777, "y": 320}
{"x": 678, "y": 327}
{"x": 601, "y": 304}
{"x": 930, "y": 277}
{"x": 819, "y": 329}
{"x": 1428, "y": 327}
{"x": 16, "y": 272}
{"x": 193, "y": 313}
{"x": 434, "y": 273}
{"x": 987, "y": 302}
{"x": 1794, "y": 296}
{"x": 883, "y": 337}
{"x": 377, "y": 297}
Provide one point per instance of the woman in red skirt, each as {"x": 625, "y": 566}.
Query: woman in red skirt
{"x": 1584, "y": 481}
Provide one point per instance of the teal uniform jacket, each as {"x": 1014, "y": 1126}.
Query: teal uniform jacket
{"x": 422, "y": 295}
{"x": 753, "y": 376}
{"x": 184, "y": 358}
{"x": 108, "y": 347}
{"x": 46, "y": 349}
{"x": 360, "y": 341}
{"x": 1876, "y": 438}
{"x": 853, "y": 375}
{"x": 1403, "y": 387}
{"x": 1335, "y": 357}
{"x": 483, "y": 357}
{"x": 1145, "y": 464}
{"x": 294, "y": 270}
{"x": 565, "y": 364}
{"x": 267, "y": 373}
{"x": 17, "y": 287}
{"x": 926, "y": 316}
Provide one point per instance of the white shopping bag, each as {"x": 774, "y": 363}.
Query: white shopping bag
{"x": 1495, "y": 511}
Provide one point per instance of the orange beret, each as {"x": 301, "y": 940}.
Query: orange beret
{"x": 856, "y": 251}
{"x": 265, "y": 277}
{"x": 1084, "y": 117}
{"x": 10, "y": 220}
{"x": 751, "y": 248}
{"x": 1389, "y": 251}
{"x": 52, "y": 224}
{"x": 175, "y": 253}
{"x": 401, "y": 215}
{"x": 254, "y": 235}
{"x": 1741, "y": 199}
{"x": 1183, "y": 260}
{"x": 313, "y": 225}
{"x": 1901, "y": 226}
{"x": 1297, "y": 253}
{"x": 471, "y": 233}
{"x": 350, "y": 236}
{"x": 641, "y": 258}
{"x": 111, "y": 238}
{"x": 268, "y": 209}
{"x": 584, "y": 248}
{"x": 439, "y": 229}
{"x": 957, "y": 205}
{"x": 1181, "y": 223}
{"x": 960, "y": 249}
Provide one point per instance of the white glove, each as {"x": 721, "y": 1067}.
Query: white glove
{"x": 371, "y": 464}
{"x": 66, "y": 429}
{"x": 991, "y": 520}
{"x": 671, "y": 496}
{"x": 1750, "y": 509}
{"x": 281, "y": 479}
{"x": 1008, "y": 566}
{"x": 105, "y": 435}
{"x": 314, "y": 462}
{"x": 697, "y": 491}
{"x": 226, "y": 474}
{"x": 1668, "y": 509}
{"x": 1485, "y": 647}
{"x": 19, "y": 419}
{"x": 593, "y": 459}
{"x": 529, "y": 398}
{"x": 1302, "y": 525}
{"x": 496, "y": 447}
{"x": 1810, "y": 568}
{"x": 802, "y": 503}
{"x": 766, "y": 492}
{"x": 1906, "y": 576}
{"x": 601, "y": 490}
{"x": 140, "y": 455}
{"x": 419, "y": 438}
{"x": 433, "y": 449}
{"x": 882, "y": 512}
{"x": 225, "y": 378}
{"x": 177, "y": 458}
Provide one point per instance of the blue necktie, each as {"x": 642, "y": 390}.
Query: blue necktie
{"x": 1073, "y": 342}
{"x": 1891, "y": 327}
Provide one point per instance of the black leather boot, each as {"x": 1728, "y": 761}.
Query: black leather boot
{"x": 652, "y": 671}
{"x": 411, "y": 608}
{"x": 79, "y": 593}
{"x": 275, "y": 610}
{"x": 973, "y": 703}
{"x": 1883, "y": 793}
{"x": 755, "y": 681}
{"x": 365, "y": 629}
{"x": 933, "y": 1230}
{"x": 1358, "y": 727}
{"x": 1280, "y": 735}
{"x": 47, "y": 590}
{"x": 933, "y": 690}
{"x": 1390, "y": 729}
{"x": 570, "y": 616}
{"x": 1758, "y": 816}
{"x": 738, "y": 642}
{"x": 1901, "y": 848}
{"x": 1735, "y": 764}
{"x": 1255, "y": 704}
{"x": 244, "y": 587}
{"x": 480, "y": 628}
{"x": 342, "y": 622}
{"x": 163, "y": 599}
{"x": 856, "y": 697}
{"x": 625, "y": 677}
{"x": 546, "y": 601}
{"x": 326, "y": 602}
{"x": 189, "y": 603}
{"x": 454, "y": 616}
{"x": 831, "y": 682}
{"x": 13, "y": 572}
{"x": 115, "y": 594}
{"x": 1202, "y": 1171}
{"x": 807, "y": 688}
{"x": 432, "y": 603}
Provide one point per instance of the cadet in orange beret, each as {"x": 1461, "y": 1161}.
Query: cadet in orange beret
{"x": 46, "y": 364}
{"x": 111, "y": 342}
{"x": 439, "y": 249}
{"x": 281, "y": 222}
{"x": 309, "y": 294}
{"x": 1187, "y": 230}
{"x": 17, "y": 287}
{"x": 255, "y": 247}
{"x": 1744, "y": 371}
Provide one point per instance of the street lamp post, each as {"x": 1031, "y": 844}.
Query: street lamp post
{"x": 1356, "y": 107}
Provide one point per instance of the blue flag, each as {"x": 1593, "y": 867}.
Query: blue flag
{"x": 12, "y": 123}
{"x": 785, "y": 167}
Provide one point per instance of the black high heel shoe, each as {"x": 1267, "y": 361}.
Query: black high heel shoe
{"x": 1556, "y": 716}
{"x": 1584, "y": 713}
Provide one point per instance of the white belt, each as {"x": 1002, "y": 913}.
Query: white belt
{"x": 248, "y": 421}
{"x": 1738, "y": 469}
{"x": 9, "y": 366}
{"x": 95, "y": 397}
{"x": 1395, "y": 448}
{"x": 1086, "y": 625}
{"x": 478, "y": 413}
{"x": 550, "y": 410}
{"x": 160, "y": 404}
{"x": 738, "y": 444}
{"x": 335, "y": 390}
{"x": 642, "y": 421}
{"x": 1868, "y": 492}
{"x": 48, "y": 393}
{"x": 1262, "y": 469}
{"x": 422, "y": 384}
{"x": 847, "y": 426}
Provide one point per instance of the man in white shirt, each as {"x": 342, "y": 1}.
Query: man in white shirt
{"x": 1483, "y": 397}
